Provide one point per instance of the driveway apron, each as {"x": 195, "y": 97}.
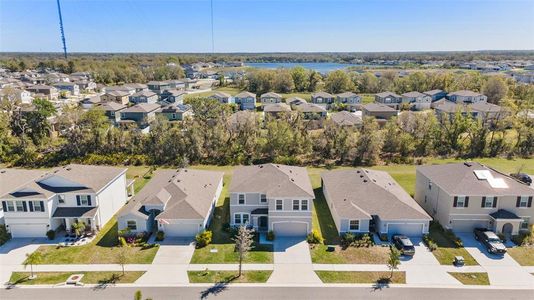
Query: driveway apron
{"x": 292, "y": 262}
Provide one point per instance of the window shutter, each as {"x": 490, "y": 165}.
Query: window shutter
{"x": 25, "y": 208}
{"x": 494, "y": 202}
{"x": 529, "y": 201}
{"x": 4, "y": 206}
{"x": 483, "y": 202}
{"x": 455, "y": 203}
{"x": 89, "y": 200}
{"x": 78, "y": 200}
{"x": 466, "y": 202}
{"x": 31, "y": 205}
{"x": 518, "y": 201}
{"x": 42, "y": 206}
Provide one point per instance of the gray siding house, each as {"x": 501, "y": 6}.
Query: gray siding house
{"x": 390, "y": 99}
{"x": 142, "y": 114}
{"x": 436, "y": 95}
{"x": 246, "y": 100}
{"x": 466, "y": 97}
{"x": 322, "y": 98}
{"x": 270, "y": 98}
{"x": 173, "y": 96}
{"x": 272, "y": 197}
{"x": 417, "y": 100}
{"x": 350, "y": 99}
{"x": 144, "y": 97}
{"x": 363, "y": 200}
{"x": 223, "y": 97}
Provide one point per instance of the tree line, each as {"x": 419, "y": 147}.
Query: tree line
{"x": 210, "y": 138}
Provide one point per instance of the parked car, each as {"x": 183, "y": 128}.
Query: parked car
{"x": 404, "y": 244}
{"x": 490, "y": 240}
{"x": 522, "y": 177}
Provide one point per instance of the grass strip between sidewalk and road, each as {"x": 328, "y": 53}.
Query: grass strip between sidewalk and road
{"x": 465, "y": 278}
{"x": 524, "y": 255}
{"x": 228, "y": 276}
{"x": 88, "y": 278}
{"x": 361, "y": 277}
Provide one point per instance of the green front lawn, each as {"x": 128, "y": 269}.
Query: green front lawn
{"x": 102, "y": 250}
{"x": 447, "y": 249}
{"x": 523, "y": 255}
{"x": 261, "y": 254}
{"x": 228, "y": 276}
{"x": 88, "y": 278}
{"x": 471, "y": 278}
{"x": 351, "y": 255}
{"x": 361, "y": 277}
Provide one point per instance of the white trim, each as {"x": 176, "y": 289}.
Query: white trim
{"x": 350, "y": 220}
{"x": 289, "y": 216}
{"x": 255, "y": 205}
{"x": 241, "y": 214}
{"x": 136, "y": 227}
{"x": 244, "y": 199}
{"x": 281, "y": 222}
{"x": 422, "y": 227}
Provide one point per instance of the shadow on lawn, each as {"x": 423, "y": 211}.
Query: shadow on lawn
{"x": 326, "y": 222}
{"x": 217, "y": 288}
{"x": 381, "y": 283}
{"x": 11, "y": 285}
{"x": 102, "y": 284}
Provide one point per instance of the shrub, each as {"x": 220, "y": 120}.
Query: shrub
{"x": 347, "y": 239}
{"x": 524, "y": 238}
{"x": 383, "y": 237}
{"x": 203, "y": 238}
{"x": 160, "y": 236}
{"x": 270, "y": 235}
{"x": 4, "y": 235}
{"x": 122, "y": 242}
{"x": 51, "y": 234}
{"x": 429, "y": 243}
{"x": 315, "y": 237}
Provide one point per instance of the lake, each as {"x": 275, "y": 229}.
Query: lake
{"x": 321, "y": 67}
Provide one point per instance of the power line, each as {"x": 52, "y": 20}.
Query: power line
{"x": 61, "y": 29}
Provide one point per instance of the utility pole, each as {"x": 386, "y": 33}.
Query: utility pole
{"x": 61, "y": 28}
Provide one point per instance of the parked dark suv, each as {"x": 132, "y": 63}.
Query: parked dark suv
{"x": 404, "y": 244}
{"x": 522, "y": 177}
{"x": 490, "y": 240}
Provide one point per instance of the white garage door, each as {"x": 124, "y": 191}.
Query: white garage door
{"x": 408, "y": 229}
{"x": 290, "y": 229}
{"x": 27, "y": 230}
{"x": 468, "y": 225}
{"x": 182, "y": 229}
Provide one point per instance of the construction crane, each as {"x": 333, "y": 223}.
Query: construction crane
{"x": 62, "y": 31}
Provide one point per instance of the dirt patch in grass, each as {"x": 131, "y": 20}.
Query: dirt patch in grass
{"x": 61, "y": 277}
{"x": 471, "y": 278}
{"x": 351, "y": 255}
{"x": 523, "y": 255}
{"x": 228, "y": 276}
{"x": 361, "y": 277}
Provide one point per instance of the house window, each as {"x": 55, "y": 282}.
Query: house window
{"x": 522, "y": 201}
{"x": 241, "y": 199}
{"x": 37, "y": 206}
{"x": 132, "y": 225}
{"x": 461, "y": 201}
{"x": 488, "y": 202}
{"x": 61, "y": 198}
{"x": 279, "y": 205}
{"x": 354, "y": 225}
{"x": 241, "y": 218}
{"x": 524, "y": 223}
{"x": 296, "y": 205}
{"x": 20, "y": 205}
{"x": 10, "y": 206}
{"x": 263, "y": 198}
{"x": 174, "y": 116}
{"x": 304, "y": 205}
{"x": 84, "y": 200}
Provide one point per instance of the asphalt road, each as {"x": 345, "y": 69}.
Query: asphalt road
{"x": 289, "y": 293}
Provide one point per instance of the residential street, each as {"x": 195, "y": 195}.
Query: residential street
{"x": 258, "y": 292}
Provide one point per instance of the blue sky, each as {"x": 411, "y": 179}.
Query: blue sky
{"x": 267, "y": 25}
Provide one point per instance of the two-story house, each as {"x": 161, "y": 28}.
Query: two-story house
{"x": 223, "y": 97}
{"x": 436, "y": 95}
{"x": 112, "y": 110}
{"x": 464, "y": 196}
{"x": 173, "y": 96}
{"x": 350, "y": 99}
{"x": 466, "y": 97}
{"x": 270, "y": 98}
{"x": 142, "y": 114}
{"x": 246, "y": 100}
{"x": 390, "y": 99}
{"x": 158, "y": 86}
{"x": 175, "y": 111}
{"x": 417, "y": 100}
{"x": 323, "y": 99}
{"x": 70, "y": 87}
{"x": 272, "y": 197}
{"x": 121, "y": 97}
{"x": 36, "y": 201}
{"x": 144, "y": 97}
{"x": 178, "y": 202}
{"x": 48, "y": 92}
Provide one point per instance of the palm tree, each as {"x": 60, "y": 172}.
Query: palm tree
{"x": 32, "y": 259}
{"x": 78, "y": 228}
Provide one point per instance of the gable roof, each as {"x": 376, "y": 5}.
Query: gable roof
{"x": 387, "y": 94}
{"x": 271, "y": 95}
{"x": 413, "y": 94}
{"x": 465, "y": 93}
{"x": 245, "y": 94}
{"x": 221, "y": 95}
{"x": 144, "y": 93}
{"x": 310, "y": 108}
{"x": 322, "y": 94}
{"x": 277, "y": 107}
{"x": 273, "y": 180}
{"x": 433, "y": 92}
{"x": 112, "y": 106}
{"x": 142, "y": 108}
{"x": 346, "y": 95}
{"x": 362, "y": 193}
{"x": 345, "y": 118}
{"x": 186, "y": 194}
{"x": 296, "y": 100}
{"x": 378, "y": 107}
{"x": 460, "y": 179}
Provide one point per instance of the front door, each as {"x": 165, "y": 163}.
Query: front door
{"x": 507, "y": 230}
{"x": 262, "y": 223}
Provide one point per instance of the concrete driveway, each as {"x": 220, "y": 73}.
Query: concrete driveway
{"x": 292, "y": 262}
{"x": 502, "y": 270}
{"x": 13, "y": 253}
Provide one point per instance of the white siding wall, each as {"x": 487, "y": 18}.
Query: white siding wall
{"x": 111, "y": 198}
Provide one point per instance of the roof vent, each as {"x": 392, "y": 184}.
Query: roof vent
{"x": 365, "y": 180}
{"x": 361, "y": 176}
{"x": 358, "y": 171}
{"x": 261, "y": 166}
{"x": 69, "y": 168}
{"x": 3, "y": 171}
{"x": 292, "y": 179}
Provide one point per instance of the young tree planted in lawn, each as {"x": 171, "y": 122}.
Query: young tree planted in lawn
{"x": 394, "y": 260}
{"x": 243, "y": 244}
{"x": 122, "y": 258}
{"x": 32, "y": 259}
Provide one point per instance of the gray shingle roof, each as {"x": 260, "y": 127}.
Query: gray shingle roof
{"x": 142, "y": 108}
{"x": 465, "y": 93}
{"x": 346, "y": 95}
{"x": 271, "y": 95}
{"x": 460, "y": 179}
{"x": 345, "y": 118}
{"x": 310, "y": 108}
{"x": 388, "y": 94}
{"x": 245, "y": 94}
{"x": 504, "y": 214}
{"x": 413, "y": 94}
{"x": 322, "y": 94}
{"x": 361, "y": 193}
{"x": 277, "y": 107}
{"x": 378, "y": 107}
{"x": 433, "y": 92}
{"x": 273, "y": 180}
